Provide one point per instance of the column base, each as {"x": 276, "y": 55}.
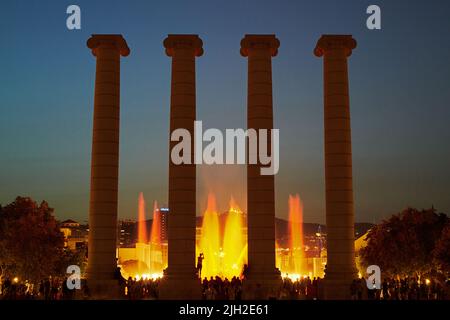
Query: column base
{"x": 262, "y": 286}
{"x": 105, "y": 289}
{"x": 180, "y": 287}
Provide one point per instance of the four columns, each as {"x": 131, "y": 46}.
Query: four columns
{"x": 180, "y": 281}
{"x": 341, "y": 269}
{"x": 105, "y": 164}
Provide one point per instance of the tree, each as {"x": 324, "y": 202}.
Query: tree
{"x": 403, "y": 245}
{"x": 441, "y": 252}
{"x": 30, "y": 240}
{"x": 70, "y": 257}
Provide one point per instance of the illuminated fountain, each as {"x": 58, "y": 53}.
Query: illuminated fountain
{"x": 145, "y": 260}
{"x": 224, "y": 245}
{"x": 142, "y": 248}
{"x": 142, "y": 224}
{"x": 234, "y": 242}
{"x": 295, "y": 223}
{"x": 222, "y": 238}
{"x": 155, "y": 234}
{"x": 209, "y": 243}
{"x": 291, "y": 259}
{"x": 156, "y": 263}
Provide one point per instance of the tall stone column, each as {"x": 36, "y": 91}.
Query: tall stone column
{"x": 180, "y": 280}
{"x": 263, "y": 277}
{"x": 105, "y": 165}
{"x": 341, "y": 269}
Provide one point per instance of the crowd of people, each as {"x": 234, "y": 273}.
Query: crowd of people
{"x": 12, "y": 290}
{"x": 223, "y": 289}
{"x": 52, "y": 288}
{"x": 218, "y": 289}
{"x": 142, "y": 289}
{"x": 402, "y": 289}
{"x": 300, "y": 289}
{"x": 390, "y": 289}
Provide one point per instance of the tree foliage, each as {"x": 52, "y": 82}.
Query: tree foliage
{"x": 441, "y": 252}
{"x": 404, "y": 244}
{"x": 30, "y": 240}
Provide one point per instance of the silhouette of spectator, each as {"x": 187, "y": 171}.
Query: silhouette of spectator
{"x": 200, "y": 264}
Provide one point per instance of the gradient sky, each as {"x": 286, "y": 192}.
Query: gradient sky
{"x": 399, "y": 91}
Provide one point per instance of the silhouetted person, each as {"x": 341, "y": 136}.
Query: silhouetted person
{"x": 47, "y": 288}
{"x": 200, "y": 264}
{"x": 67, "y": 294}
{"x": 385, "y": 290}
{"x": 121, "y": 281}
{"x": 41, "y": 289}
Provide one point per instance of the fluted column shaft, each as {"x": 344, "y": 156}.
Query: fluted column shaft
{"x": 260, "y": 188}
{"x": 105, "y": 157}
{"x": 182, "y": 177}
{"x": 341, "y": 268}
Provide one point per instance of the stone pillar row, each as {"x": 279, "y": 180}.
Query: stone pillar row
{"x": 180, "y": 281}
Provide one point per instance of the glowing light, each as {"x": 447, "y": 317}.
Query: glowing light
{"x": 156, "y": 276}
{"x": 156, "y": 262}
{"x": 142, "y": 226}
{"x": 16, "y": 279}
{"x": 223, "y": 256}
{"x": 210, "y": 239}
{"x": 427, "y": 281}
{"x": 149, "y": 249}
{"x": 234, "y": 242}
{"x": 293, "y": 276}
{"x": 296, "y": 235}
{"x": 223, "y": 241}
{"x": 359, "y": 275}
{"x": 155, "y": 235}
{"x": 147, "y": 276}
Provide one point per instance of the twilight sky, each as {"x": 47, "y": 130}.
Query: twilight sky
{"x": 399, "y": 99}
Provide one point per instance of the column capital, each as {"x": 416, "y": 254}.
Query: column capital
{"x": 183, "y": 41}
{"x": 260, "y": 41}
{"x": 334, "y": 42}
{"x": 116, "y": 41}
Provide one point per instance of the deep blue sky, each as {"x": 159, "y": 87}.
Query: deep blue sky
{"x": 399, "y": 88}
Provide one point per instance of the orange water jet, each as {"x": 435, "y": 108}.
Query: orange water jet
{"x": 155, "y": 234}
{"x": 297, "y": 256}
{"x": 142, "y": 225}
{"x": 210, "y": 240}
{"x": 223, "y": 241}
{"x": 234, "y": 242}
